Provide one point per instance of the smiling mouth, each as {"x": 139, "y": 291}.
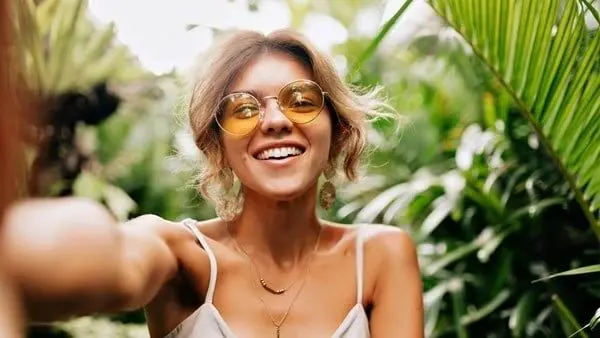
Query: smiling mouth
{"x": 279, "y": 153}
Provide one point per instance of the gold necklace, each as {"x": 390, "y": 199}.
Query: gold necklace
{"x": 278, "y": 323}
{"x": 261, "y": 280}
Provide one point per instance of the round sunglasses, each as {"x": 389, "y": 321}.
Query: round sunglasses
{"x": 301, "y": 101}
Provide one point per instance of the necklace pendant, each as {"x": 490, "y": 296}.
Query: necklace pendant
{"x": 265, "y": 286}
{"x": 278, "y": 332}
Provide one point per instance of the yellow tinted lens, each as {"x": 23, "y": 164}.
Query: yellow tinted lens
{"x": 301, "y": 101}
{"x": 238, "y": 113}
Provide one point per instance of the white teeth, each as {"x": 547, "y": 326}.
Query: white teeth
{"x": 280, "y": 152}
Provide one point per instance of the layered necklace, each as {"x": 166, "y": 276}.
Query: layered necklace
{"x": 275, "y": 291}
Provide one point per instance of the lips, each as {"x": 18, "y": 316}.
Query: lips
{"x": 276, "y": 153}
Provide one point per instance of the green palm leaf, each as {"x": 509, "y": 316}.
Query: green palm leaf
{"x": 62, "y": 50}
{"x": 545, "y": 57}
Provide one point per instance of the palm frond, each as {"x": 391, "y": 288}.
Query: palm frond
{"x": 61, "y": 49}
{"x": 545, "y": 57}
{"x": 379, "y": 38}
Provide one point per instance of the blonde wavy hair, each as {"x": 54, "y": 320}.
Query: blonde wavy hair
{"x": 350, "y": 107}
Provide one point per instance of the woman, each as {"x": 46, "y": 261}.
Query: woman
{"x": 271, "y": 116}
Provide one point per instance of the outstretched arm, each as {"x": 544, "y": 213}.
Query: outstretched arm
{"x": 69, "y": 257}
{"x": 11, "y": 320}
{"x": 398, "y": 296}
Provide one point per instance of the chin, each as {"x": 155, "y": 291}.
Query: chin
{"x": 283, "y": 191}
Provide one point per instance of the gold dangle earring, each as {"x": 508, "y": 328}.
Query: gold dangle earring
{"x": 327, "y": 193}
{"x": 230, "y": 203}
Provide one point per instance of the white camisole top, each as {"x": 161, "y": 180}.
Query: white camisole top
{"x": 207, "y": 322}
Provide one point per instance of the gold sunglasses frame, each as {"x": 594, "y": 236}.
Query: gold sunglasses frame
{"x": 261, "y": 108}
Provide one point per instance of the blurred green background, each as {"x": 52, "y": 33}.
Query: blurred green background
{"x": 494, "y": 170}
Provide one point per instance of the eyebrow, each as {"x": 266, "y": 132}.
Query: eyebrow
{"x": 254, "y": 93}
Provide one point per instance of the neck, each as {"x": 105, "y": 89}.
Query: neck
{"x": 278, "y": 232}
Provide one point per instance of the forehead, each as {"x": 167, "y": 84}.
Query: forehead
{"x": 269, "y": 72}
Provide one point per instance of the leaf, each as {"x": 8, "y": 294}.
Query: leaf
{"x": 522, "y": 314}
{"x": 490, "y": 246}
{"x": 569, "y": 321}
{"x": 578, "y": 271}
{"x": 368, "y": 53}
{"x": 89, "y": 185}
{"x": 29, "y": 42}
{"x": 369, "y": 183}
{"x": 94, "y": 50}
{"x": 63, "y": 39}
{"x": 458, "y": 308}
{"x": 485, "y": 310}
{"x": 488, "y": 236}
{"x": 543, "y": 55}
{"x": 106, "y": 67}
{"x": 433, "y": 302}
{"x": 380, "y": 202}
{"x": 403, "y": 192}
{"x": 512, "y": 181}
{"x": 435, "y": 294}
{"x": 592, "y": 324}
{"x": 451, "y": 257}
{"x": 62, "y": 50}
{"x": 533, "y": 209}
{"x": 432, "y": 314}
{"x": 443, "y": 207}
{"x": 595, "y": 319}
{"x": 489, "y": 202}
{"x": 592, "y": 10}
{"x": 45, "y": 13}
{"x": 348, "y": 209}
{"x": 118, "y": 202}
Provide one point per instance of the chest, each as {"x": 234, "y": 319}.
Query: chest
{"x": 317, "y": 304}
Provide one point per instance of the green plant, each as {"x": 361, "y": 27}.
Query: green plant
{"x": 545, "y": 57}
{"x": 61, "y": 50}
{"x": 523, "y": 187}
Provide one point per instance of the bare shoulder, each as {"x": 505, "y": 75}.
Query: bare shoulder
{"x": 389, "y": 244}
{"x": 390, "y": 238}
{"x": 157, "y": 225}
{"x": 173, "y": 233}
{"x": 396, "y": 289}
{"x": 382, "y": 240}
{"x": 213, "y": 229}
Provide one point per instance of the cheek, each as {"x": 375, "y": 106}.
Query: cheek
{"x": 320, "y": 134}
{"x": 233, "y": 149}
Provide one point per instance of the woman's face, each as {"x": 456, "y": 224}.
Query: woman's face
{"x": 279, "y": 159}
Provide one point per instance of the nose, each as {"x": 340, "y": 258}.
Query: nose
{"x": 274, "y": 122}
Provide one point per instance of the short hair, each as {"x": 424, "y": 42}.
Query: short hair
{"x": 350, "y": 107}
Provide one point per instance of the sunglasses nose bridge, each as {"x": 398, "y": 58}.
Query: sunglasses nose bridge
{"x": 272, "y": 97}
{"x": 273, "y": 118}
{"x": 264, "y": 108}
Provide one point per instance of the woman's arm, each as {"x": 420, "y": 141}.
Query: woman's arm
{"x": 69, "y": 257}
{"x": 11, "y": 319}
{"x": 398, "y": 295}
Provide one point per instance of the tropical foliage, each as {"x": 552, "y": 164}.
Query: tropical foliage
{"x": 548, "y": 61}
{"x": 493, "y": 221}
{"x": 494, "y": 172}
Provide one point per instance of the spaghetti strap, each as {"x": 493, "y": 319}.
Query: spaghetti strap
{"x": 191, "y": 225}
{"x": 359, "y": 264}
